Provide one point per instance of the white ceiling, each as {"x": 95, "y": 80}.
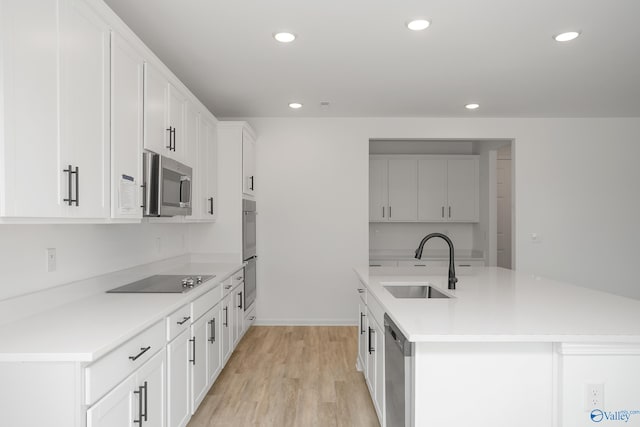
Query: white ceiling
{"x": 359, "y": 56}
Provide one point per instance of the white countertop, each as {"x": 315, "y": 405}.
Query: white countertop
{"x": 86, "y": 329}
{"x": 499, "y": 305}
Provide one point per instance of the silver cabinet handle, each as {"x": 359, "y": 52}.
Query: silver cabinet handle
{"x": 360, "y": 290}
{"x": 464, "y": 265}
{"x": 239, "y": 278}
{"x": 183, "y": 321}
{"x": 193, "y": 347}
{"x": 143, "y": 351}
{"x": 383, "y": 212}
{"x": 449, "y": 211}
{"x": 389, "y": 212}
{"x": 227, "y": 287}
{"x": 443, "y": 212}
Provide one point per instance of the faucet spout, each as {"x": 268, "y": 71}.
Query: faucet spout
{"x": 452, "y": 270}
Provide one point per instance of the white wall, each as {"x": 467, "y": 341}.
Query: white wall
{"x": 83, "y": 251}
{"x": 575, "y": 185}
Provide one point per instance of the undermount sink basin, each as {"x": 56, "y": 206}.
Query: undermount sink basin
{"x": 399, "y": 290}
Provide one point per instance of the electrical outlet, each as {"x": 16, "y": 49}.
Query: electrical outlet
{"x": 594, "y": 396}
{"x": 52, "y": 260}
{"x": 536, "y": 237}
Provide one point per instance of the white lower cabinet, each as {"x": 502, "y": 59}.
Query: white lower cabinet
{"x": 371, "y": 351}
{"x": 198, "y": 361}
{"x": 237, "y": 295}
{"x": 227, "y": 324}
{"x": 139, "y": 399}
{"x": 178, "y": 409}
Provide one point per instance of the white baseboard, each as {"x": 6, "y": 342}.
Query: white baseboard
{"x": 305, "y": 322}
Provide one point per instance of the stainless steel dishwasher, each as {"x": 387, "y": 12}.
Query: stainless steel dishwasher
{"x": 398, "y": 373}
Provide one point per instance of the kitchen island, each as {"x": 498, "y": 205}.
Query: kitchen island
{"x": 506, "y": 349}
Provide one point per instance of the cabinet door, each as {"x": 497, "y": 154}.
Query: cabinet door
{"x": 403, "y": 190}
{"x": 238, "y": 318}
{"x": 226, "y": 328}
{"x": 248, "y": 163}
{"x": 362, "y": 335}
{"x": 198, "y": 362}
{"x": 432, "y": 190}
{"x": 192, "y": 147}
{"x": 462, "y": 179}
{"x": 211, "y": 170}
{"x": 214, "y": 364}
{"x": 31, "y": 169}
{"x": 156, "y": 135}
{"x": 127, "y": 67}
{"x": 175, "y": 109}
{"x": 378, "y": 346}
{"x": 84, "y": 108}
{"x": 378, "y": 190}
{"x": 178, "y": 388}
{"x": 151, "y": 383}
{"x": 116, "y": 408}
{"x": 371, "y": 356}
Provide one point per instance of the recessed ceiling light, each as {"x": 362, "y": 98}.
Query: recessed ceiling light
{"x": 418, "y": 24}
{"x": 284, "y": 37}
{"x": 295, "y": 105}
{"x": 471, "y": 106}
{"x": 568, "y": 36}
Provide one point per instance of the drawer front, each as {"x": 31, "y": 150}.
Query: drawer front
{"x": 107, "y": 372}
{"x": 375, "y": 310}
{"x": 468, "y": 264}
{"x": 423, "y": 263}
{"x": 250, "y": 318}
{"x": 382, "y": 263}
{"x": 237, "y": 277}
{"x": 204, "y": 303}
{"x": 226, "y": 286}
{"x": 362, "y": 291}
{"x": 178, "y": 321}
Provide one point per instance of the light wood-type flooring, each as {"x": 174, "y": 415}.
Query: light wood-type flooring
{"x": 282, "y": 376}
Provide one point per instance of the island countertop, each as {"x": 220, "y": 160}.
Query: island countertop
{"x": 493, "y": 304}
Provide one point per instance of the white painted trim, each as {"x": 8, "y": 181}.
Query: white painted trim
{"x": 556, "y": 391}
{"x": 606, "y": 349}
{"x": 305, "y": 322}
{"x": 492, "y": 256}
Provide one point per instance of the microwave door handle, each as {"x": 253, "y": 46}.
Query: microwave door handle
{"x": 184, "y": 179}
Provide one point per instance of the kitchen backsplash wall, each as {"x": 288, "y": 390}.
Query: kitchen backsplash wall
{"x": 400, "y": 236}
{"x": 83, "y": 251}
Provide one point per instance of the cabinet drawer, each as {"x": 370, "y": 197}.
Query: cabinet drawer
{"x": 237, "y": 277}
{"x": 226, "y": 286}
{"x": 204, "y": 303}
{"x": 423, "y": 263}
{"x": 362, "y": 291}
{"x": 178, "y": 321}
{"x": 250, "y": 318}
{"x": 382, "y": 263}
{"x": 467, "y": 264}
{"x": 103, "y": 375}
{"x": 375, "y": 310}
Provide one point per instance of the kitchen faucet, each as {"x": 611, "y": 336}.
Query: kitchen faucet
{"x": 452, "y": 270}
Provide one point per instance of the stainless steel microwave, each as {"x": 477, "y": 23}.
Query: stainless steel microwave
{"x": 167, "y": 186}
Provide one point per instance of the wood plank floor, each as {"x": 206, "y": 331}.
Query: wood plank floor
{"x": 298, "y": 376}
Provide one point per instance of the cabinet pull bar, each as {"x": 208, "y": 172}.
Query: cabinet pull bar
{"x": 449, "y": 211}
{"x": 238, "y": 277}
{"x": 211, "y": 205}
{"x": 77, "y": 172}
{"x": 170, "y": 129}
{"x": 144, "y": 196}
{"x": 226, "y": 317}
{"x": 361, "y": 323}
{"x": 145, "y": 401}
{"x": 70, "y": 201}
{"x": 360, "y": 290}
{"x": 144, "y": 350}
{"x": 383, "y": 212}
{"x": 69, "y": 185}
{"x": 389, "y": 212}
{"x": 375, "y": 265}
{"x": 139, "y": 393}
{"x": 240, "y": 300}
{"x": 443, "y": 212}
{"x": 371, "y": 349}
{"x": 464, "y": 265}
{"x": 193, "y": 348}
{"x": 174, "y": 138}
{"x": 184, "y": 319}
{"x": 212, "y": 338}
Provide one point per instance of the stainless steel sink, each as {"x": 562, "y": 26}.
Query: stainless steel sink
{"x": 414, "y": 291}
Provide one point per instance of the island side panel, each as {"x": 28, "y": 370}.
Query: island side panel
{"x": 614, "y": 367}
{"x": 483, "y": 384}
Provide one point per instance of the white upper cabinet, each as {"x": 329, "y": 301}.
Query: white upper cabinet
{"x": 403, "y": 186}
{"x": 432, "y": 194}
{"x": 378, "y": 190}
{"x": 463, "y": 190}
{"x": 248, "y": 162}
{"x": 156, "y": 133}
{"x": 127, "y": 66}
{"x": 424, "y": 188}
{"x": 84, "y": 110}
{"x": 56, "y": 94}
{"x": 209, "y": 170}
{"x": 175, "y": 124}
